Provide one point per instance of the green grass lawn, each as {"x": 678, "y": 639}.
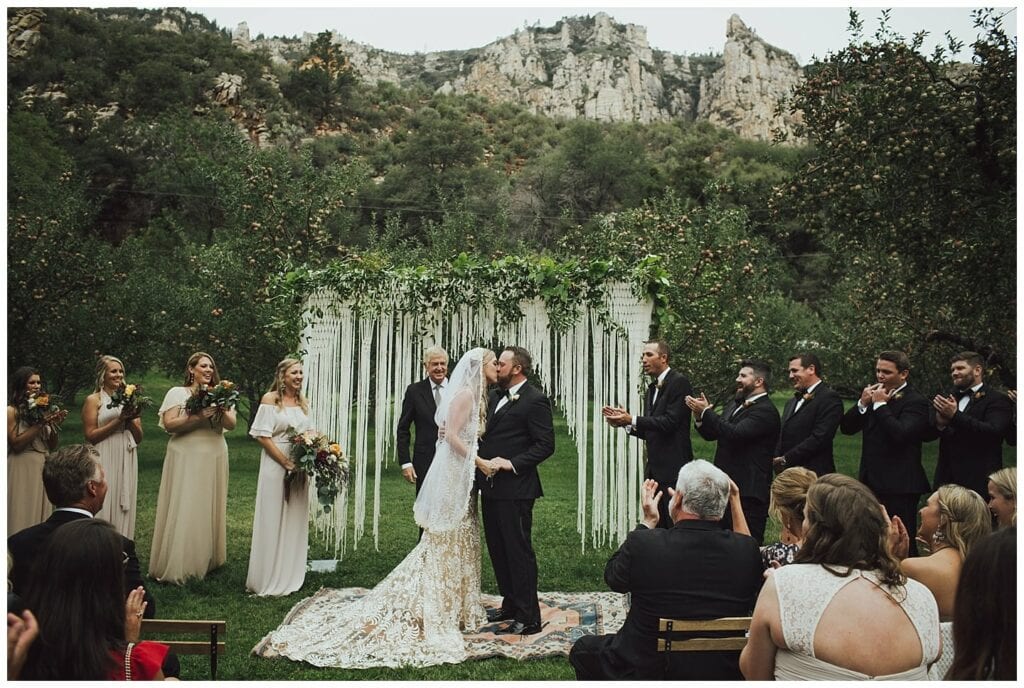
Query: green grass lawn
{"x": 221, "y": 595}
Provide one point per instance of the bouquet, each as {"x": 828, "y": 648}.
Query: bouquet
{"x": 224, "y": 396}
{"x": 130, "y": 399}
{"x": 316, "y": 456}
{"x": 40, "y": 408}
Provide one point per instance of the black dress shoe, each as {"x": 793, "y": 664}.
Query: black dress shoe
{"x": 519, "y": 628}
{"x": 499, "y": 615}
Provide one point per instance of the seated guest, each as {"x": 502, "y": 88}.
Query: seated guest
{"x": 786, "y": 506}
{"x": 1002, "y": 496}
{"x": 985, "y": 612}
{"x": 843, "y": 610}
{"x": 953, "y": 520}
{"x": 694, "y": 570}
{"x": 76, "y": 484}
{"x": 87, "y": 631}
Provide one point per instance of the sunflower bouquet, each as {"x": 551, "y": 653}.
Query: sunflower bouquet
{"x": 40, "y": 408}
{"x": 131, "y": 400}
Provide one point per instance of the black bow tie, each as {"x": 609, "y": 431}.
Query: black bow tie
{"x": 799, "y": 394}
{"x": 961, "y": 393}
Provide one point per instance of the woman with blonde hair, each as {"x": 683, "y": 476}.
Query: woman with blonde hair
{"x": 115, "y": 434}
{"x": 1002, "y": 496}
{"x": 280, "y": 524}
{"x": 190, "y": 535}
{"x": 843, "y": 610}
{"x": 786, "y": 506}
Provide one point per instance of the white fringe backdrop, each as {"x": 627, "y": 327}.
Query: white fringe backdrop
{"x": 359, "y": 362}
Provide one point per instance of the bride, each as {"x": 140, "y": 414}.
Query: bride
{"x": 416, "y": 615}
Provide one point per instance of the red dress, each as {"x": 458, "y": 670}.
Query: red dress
{"x": 147, "y": 658}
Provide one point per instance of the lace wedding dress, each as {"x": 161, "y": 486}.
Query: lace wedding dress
{"x": 416, "y": 615}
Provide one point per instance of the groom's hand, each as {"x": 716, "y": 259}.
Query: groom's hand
{"x": 409, "y": 473}
{"x": 502, "y": 464}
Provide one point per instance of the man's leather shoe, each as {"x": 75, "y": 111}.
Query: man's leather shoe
{"x": 519, "y": 628}
{"x": 499, "y": 615}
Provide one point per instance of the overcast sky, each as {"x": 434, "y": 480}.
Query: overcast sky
{"x": 678, "y": 27}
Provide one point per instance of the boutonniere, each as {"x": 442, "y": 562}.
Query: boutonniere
{"x": 897, "y": 396}
{"x": 808, "y": 396}
{"x": 748, "y": 404}
{"x": 661, "y": 383}
{"x": 978, "y": 395}
{"x": 512, "y": 398}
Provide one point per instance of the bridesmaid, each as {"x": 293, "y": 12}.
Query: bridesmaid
{"x": 115, "y": 436}
{"x": 277, "y": 560}
{"x": 27, "y": 446}
{"x": 190, "y": 535}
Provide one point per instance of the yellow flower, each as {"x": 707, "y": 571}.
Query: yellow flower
{"x": 129, "y": 390}
{"x": 227, "y": 384}
{"x": 336, "y": 449}
{"x": 42, "y": 400}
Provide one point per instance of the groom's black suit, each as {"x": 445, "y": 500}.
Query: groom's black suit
{"x": 523, "y": 433}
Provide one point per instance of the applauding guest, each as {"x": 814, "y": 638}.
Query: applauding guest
{"x": 788, "y": 495}
{"x": 190, "y": 535}
{"x": 811, "y": 616}
{"x": 746, "y": 433}
{"x": 693, "y": 570}
{"x": 88, "y": 631}
{"x": 1002, "y": 496}
{"x": 280, "y": 526}
{"x": 115, "y": 431}
{"x": 27, "y": 444}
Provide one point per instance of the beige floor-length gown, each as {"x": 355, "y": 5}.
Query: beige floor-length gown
{"x": 190, "y": 535}
{"x": 280, "y": 528}
{"x": 120, "y": 462}
{"x": 27, "y": 504}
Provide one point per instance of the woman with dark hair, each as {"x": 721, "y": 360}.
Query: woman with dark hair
{"x": 87, "y": 631}
{"x": 190, "y": 534}
{"x": 985, "y": 614}
{"x": 115, "y": 435}
{"x": 280, "y": 524}
{"x": 27, "y": 445}
{"x": 843, "y": 610}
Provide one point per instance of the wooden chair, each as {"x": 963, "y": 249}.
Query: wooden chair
{"x": 735, "y": 626}
{"x": 213, "y": 631}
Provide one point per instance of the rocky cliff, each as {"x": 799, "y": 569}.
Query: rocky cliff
{"x": 592, "y": 67}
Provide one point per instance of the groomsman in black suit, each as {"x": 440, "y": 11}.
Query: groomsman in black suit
{"x": 747, "y": 432}
{"x": 664, "y": 425}
{"x": 519, "y": 436}
{"x": 418, "y": 409}
{"x": 809, "y": 420}
{"x": 893, "y": 417}
{"x": 970, "y": 421}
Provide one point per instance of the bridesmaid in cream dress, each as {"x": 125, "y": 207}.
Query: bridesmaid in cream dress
{"x": 190, "y": 535}
{"x": 27, "y": 445}
{"x": 280, "y": 526}
{"x": 115, "y": 437}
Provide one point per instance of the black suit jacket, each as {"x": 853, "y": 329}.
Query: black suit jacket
{"x": 418, "y": 409}
{"x": 26, "y": 545}
{"x": 694, "y": 570}
{"x": 522, "y": 432}
{"x": 971, "y": 446}
{"x": 806, "y": 436}
{"x": 890, "y": 452}
{"x": 665, "y": 427}
{"x": 746, "y": 444}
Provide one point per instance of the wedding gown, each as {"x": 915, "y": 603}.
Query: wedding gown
{"x": 416, "y": 615}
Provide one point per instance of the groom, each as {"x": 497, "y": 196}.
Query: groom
{"x": 519, "y": 436}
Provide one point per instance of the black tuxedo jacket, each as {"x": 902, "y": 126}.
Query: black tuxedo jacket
{"x": 694, "y": 570}
{"x": 971, "y": 446}
{"x": 418, "y": 409}
{"x": 806, "y": 436}
{"x": 665, "y": 427}
{"x": 746, "y": 444}
{"x": 890, "y": 452}
{"x": 522, "y": 432}
{"x": 26, "y": 545}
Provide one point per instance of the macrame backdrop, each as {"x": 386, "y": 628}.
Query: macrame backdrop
{"x": 361, "y": 357}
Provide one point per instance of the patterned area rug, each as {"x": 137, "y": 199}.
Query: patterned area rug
{"x": 565, "y": 616}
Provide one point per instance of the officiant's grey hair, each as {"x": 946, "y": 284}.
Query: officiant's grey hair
{"x": 705, "y": 489}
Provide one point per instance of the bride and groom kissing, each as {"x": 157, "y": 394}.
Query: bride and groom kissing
{"x": 488, "y": 444}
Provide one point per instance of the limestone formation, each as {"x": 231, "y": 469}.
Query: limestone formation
{"x": 23, "y": 31}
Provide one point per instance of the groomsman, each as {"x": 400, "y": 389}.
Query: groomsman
{"x": 747, "y": 432}
{"x": 893, "y": 417}
{"x": 970, "y": 421}
{"x": 664, "y": 424}
{"x": 809, "y": 420}
{"x": 418, "y": 409}
{"x": 519, "y": 436}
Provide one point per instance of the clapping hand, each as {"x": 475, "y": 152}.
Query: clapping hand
{"x": 21, "y": 632}
{"x": 899, "y": 538}
{"x": 649, "y": 498}
{"x": 879, "y": 394}
{"x": 134, "y": 608}
{"x": 945, "y": 407}
{"x": 698, "y": 405}
{"x": 616, "y": 416}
